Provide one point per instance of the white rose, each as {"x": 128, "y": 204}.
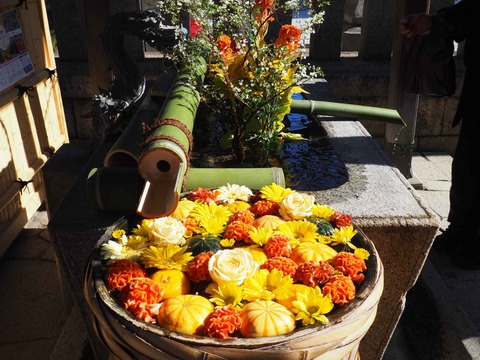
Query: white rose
{"x": 296, "y": 206}
{"x": 167, "y": 230}
{"x": 232, "y": 265}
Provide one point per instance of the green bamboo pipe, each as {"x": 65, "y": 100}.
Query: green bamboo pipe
{"x": 165, "y": 155}
{"x": 119, "y": 189}
{"x": 315, "y": 107}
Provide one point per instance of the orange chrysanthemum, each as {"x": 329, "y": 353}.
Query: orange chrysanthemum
{"x": 289, "y": 35}
{"x": 141, "y": 297}
{"x": 341, "y": 288}
{"x": 265, "y": 207}
{"x": 312, "y": 273}
{"x": 120, "y": 272}
{"x": 339, "y": 219}
{"x": 245, "y": 216}
{"x": 206, "y": 196}
{"x": 350, "y": 265}
{"x": 223, "y": 322}
{"x": 285, "y": 264}
{"x": 278, "y": 245}
{"x": 198, "y": 268}
{"x": 238, "y": 231}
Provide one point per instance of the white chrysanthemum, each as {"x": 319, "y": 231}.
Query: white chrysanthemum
{"x": 113, "y": 250}
{"x": 232, "y": 192}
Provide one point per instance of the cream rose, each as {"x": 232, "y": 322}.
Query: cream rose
{"x": 167, "y": 230}
{"x": 232, "y": 265}
{"x": 296, "y": 206}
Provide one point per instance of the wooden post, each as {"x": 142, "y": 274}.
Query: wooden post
{"x": 96, "y": 14}
{"x": 399, "y": 139}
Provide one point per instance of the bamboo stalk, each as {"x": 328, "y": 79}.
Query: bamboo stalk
{"x": 104, "y": 184}
{"x": 351, "y": 111}
{"x": 165, "y": 154}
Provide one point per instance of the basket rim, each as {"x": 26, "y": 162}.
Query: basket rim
{"x": 337, "y": 317}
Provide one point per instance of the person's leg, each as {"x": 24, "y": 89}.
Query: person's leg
{"x": 463, "y": 234}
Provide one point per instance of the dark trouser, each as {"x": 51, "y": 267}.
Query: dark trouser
{"x": 465, "y": 190}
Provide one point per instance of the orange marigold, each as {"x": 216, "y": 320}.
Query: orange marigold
{"x": 206, "y": 196}
{"x": 222, "y": 323}
{"x": 120, "y": 272}
{"x": 339, "y": 219}
{"x": 265, "y": 207}
{"x": 198, "y": 268}
{"x": 238, "y": 231}
{"x": 285, "y": 264}
{"x": 142, "y": 297}
{"x": 313, "y": 273}
{"x": 341, "y": 288}
{"x": 278, "y": 245}
{"x": 289, "y": 35}
{"x": 245, "y": 216}
{"x": 350, "y": 265}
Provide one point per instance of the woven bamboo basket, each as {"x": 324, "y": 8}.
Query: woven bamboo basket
{"x": 129, "y": 338}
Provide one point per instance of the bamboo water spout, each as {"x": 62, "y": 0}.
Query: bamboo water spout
{"x": 164, "y": 159}
{"x": 350, "y": 111}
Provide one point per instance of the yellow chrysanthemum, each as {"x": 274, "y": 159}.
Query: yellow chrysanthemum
{"x": 344, "y": 236}
{"x": 184, "y": 207}
{"x": 212, "y": 218}
{"x": 362, "y": 253}
{"x": 227, "y": 243}
{"x": 298, "y": 231}
{"x": 258, "y": 253}
{"x": 260, "y": 235}
{"x": 170, "y": 256}
{"x": 118, "y": 233}
{"x": 239, "y": 206}
{"x": 227, "y": 293}
{"x": 322, "y": 211}
{"x": 264, "y": 285}
{"x": 311, "y": 306}
{"x": 274, "y": 192}
{"x": 143, "y": 229}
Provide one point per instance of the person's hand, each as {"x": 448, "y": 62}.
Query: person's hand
{"x": 416, "y": 24}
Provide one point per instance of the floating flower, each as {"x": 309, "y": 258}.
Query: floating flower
{"x": 198, "y": 267}
{"x": 351, "y": 265}
{"x": 222, "y": 323}
{"x": 362, "y": 253}
{"x": 231, "y": 192}
{"x": 142, "y": 297}
{"x": 120, "y": 272}
{"x": 166, "y": 257}
{"x": 274, "y": 192}
{"x": 260, "y": 235}
{"x": 238, "y": 206}
{"x": 239, "y": 231}
{"x": 344, "y": 235}
{"x": 167, "y": 230}
{"x": 284, "y": 264}
{"x": 211, "y": 217}
{"x": 265, "y": 207}
{"x": 264, "y": 284}
{"x": 206, "y": 196}
{"x": 298, "y": 231}
{"x": 245, "y": 216}
{"x": 232, "y": 265}
{"x": 322, "y": 211}
{"x": 296, "y": 206}
{"x": 311, "y": 306}
{"x": 340, "y": 219}
{"x": 114, "y": 250}
{"x": 313, "y": 273}
{"x": 227, "y": 294}
{"x": 183, "y": 208}
{"x": 341, "y": 288}
{"x": 278, "y": 245}
{"x": 118, "y": 233}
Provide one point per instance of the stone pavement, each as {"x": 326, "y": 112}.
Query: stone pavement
{"x": 441, "y": 320}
